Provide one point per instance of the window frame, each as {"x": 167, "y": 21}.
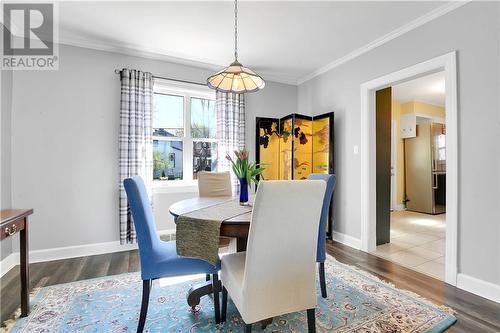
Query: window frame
{"x": 187, "y": 91}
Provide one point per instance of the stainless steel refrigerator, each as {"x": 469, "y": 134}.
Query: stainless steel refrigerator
{"x": 425, "y": 169}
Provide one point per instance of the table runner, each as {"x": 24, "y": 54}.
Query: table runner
{"x": 197, "y": 232}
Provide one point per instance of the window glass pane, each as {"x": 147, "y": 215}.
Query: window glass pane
{"x": 203, "y": 120}
{"x": 168, "y": 115}
{"x": 442, "y": 154}
{"x": 442, "y": 141}
{"x": 167, "y": 160}
{"x": 204, "y": 157}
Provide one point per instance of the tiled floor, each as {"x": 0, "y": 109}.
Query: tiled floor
{"x": 417, "y": 242}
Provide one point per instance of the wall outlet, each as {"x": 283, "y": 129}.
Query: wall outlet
{"x": 356, "y": 150}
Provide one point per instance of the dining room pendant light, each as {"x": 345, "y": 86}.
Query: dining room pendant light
{"x": 236, "y": 78}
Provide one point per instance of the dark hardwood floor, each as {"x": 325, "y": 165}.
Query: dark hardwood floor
{"x": 474, "y": 313}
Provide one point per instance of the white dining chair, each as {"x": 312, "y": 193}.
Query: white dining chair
{"x": 277, "y": 273}
{"x": 214, "y": 184}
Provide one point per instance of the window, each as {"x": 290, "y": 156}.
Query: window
{"x": 441, "y": 147}
{"x": 184, "y": 131}
{"x": 203, "y": 132}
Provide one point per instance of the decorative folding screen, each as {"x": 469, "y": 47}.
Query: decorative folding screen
{"x": 295, "y": 146}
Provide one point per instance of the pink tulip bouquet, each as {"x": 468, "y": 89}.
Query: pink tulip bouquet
{"x": 246, "y": 172}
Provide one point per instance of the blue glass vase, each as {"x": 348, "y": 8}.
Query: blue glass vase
{"x": 243, "y": 191}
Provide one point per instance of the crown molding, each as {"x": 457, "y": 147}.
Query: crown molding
{"x": 430, "y": 16}
{"x": 158, "y": 54}
{"x": 136, "y": 51}
{"x": 207, "y": 64}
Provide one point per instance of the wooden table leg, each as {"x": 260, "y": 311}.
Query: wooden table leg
{"x": 25, "y": 279}
{"x": 196, "y": 292}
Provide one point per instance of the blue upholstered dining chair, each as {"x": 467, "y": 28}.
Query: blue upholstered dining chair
{"x": 321, "y": 252}
{"x": 159, "y": 258}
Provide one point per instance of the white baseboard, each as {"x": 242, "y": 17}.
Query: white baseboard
{"x": 166, "y": 232}
{"x": 58, "y": 253}
{"x": 347, "y": 240}
{"x": 476, "y": 286}
{"x": 64, "y": 253}
{"x": 479, "y": 287}
{"x": 78, "y": 251}
{"x": 67, "y": 252}
{"x": 8, "y": 263}
{"x": 400, "y": 207}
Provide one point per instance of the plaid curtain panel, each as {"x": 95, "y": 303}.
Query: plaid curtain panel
{"x": 230, "y": 110}
{"x": 136, "y": 145}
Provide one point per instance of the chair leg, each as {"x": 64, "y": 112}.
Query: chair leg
{"x": 207, "y": 277}
{"x": 224, "y": 304}
{"x": 311, "y": 321}
{"x": 215, "y": 288}
{"x": 322, "y": 282}
{"x": 248, "y": 328}
{"x": 146, "y": 288}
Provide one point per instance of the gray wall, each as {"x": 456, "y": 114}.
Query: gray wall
{"x": 65, "y": 143}
{"x": 5, "y": 181}
{"x": 275, "y": 101}
{"x": 472, "y": 30}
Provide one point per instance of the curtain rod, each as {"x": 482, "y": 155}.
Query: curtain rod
{"x": 117, "y": 71}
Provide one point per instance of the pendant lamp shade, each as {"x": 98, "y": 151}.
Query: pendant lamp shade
{"x": 236, "y": 78}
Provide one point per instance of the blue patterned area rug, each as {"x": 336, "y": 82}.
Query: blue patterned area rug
{"x": 357, "y": 302}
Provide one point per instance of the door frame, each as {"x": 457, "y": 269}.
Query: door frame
{"x": 446, "y": 62}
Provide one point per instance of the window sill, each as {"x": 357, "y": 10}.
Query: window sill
{"x": 174, "y": 186}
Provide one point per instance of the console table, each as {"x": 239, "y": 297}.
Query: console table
{"x": 13, "y": 221}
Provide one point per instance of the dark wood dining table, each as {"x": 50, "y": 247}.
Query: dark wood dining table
{"x": 13, "y": 221}
{"x": 236, "y": 227}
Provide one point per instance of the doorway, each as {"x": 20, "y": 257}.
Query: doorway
{"x": 446, "y": 64}
{"x": 416, "y": 234}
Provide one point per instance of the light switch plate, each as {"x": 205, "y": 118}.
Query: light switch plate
{"x": 356, "y": 150}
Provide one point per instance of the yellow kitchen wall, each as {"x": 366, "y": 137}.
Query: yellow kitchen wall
{"x": 400, "y": 166}
{"x": 423, "y": 109}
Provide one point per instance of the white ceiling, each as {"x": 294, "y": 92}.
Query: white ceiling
{"x": 283, "y": 41}
{"x": 429, "y": 89}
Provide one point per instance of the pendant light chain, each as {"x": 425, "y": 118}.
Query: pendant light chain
{"x": 236, "y": 30}
{"x": 236, "y": 78}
